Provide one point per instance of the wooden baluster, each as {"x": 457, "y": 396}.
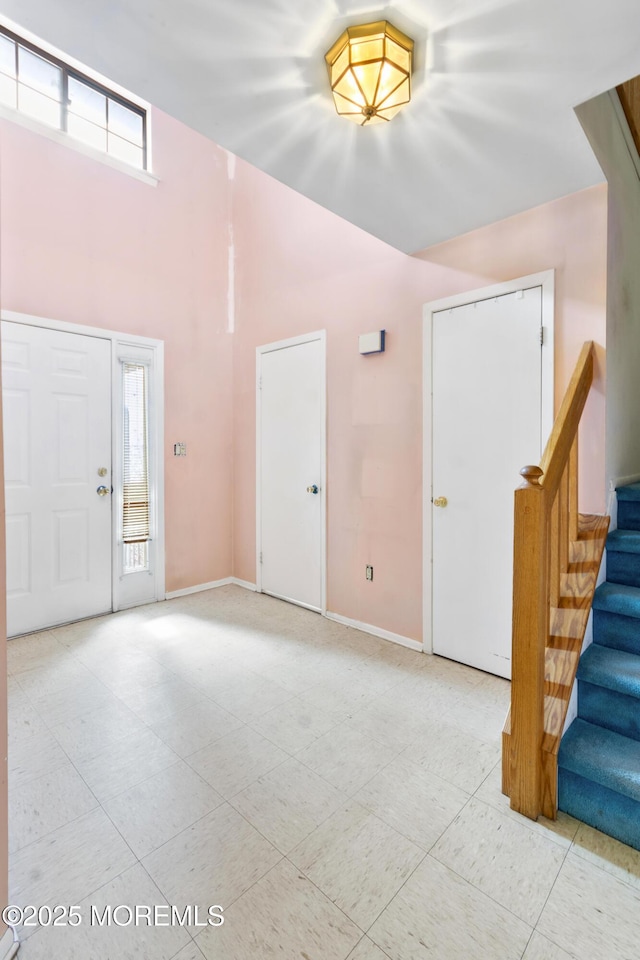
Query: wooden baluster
{"x": 530, "y": 631}
{"x": 563, "y": 497}
{"x": 573, "y": 490}
{"x": 554, "y": 553}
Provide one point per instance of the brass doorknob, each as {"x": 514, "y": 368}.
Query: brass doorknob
{"x": 313, "y": 488}
{"x": 102, "y": 491}
{"x": 440, "y": 502}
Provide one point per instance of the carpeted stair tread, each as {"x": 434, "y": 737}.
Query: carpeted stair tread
{"x": 624, "y": 541}
{"x": 614, "y": 669}
{"x": 610, "y": 812}
{"x": 629, "y": 492}
{"x": 599, "y": 756}
{"x": 617, "y": 598}
{"x": 604, "y": 757}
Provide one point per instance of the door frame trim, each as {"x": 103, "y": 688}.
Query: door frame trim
{"x": 118, "y": 341}
{"x": 544, "y": 279}
{"x": 320, "y": 335}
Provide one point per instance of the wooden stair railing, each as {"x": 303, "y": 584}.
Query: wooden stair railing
{"x": 557, "y": 555}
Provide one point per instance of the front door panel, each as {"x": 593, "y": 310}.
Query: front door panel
{"x": 57, "y": 435}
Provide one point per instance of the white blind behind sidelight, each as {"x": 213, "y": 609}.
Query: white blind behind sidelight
{"x": 135, "y": 507}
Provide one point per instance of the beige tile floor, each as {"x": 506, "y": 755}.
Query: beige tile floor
{"x": 337, "y": 795}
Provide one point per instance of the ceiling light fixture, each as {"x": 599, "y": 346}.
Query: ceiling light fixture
{"x": 370, "y": 72}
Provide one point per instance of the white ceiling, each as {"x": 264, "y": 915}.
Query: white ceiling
{"x": 490, "y": 130}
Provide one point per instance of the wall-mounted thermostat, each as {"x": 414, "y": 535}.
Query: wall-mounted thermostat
{"x": 179, "y": 449}
{"x": 371, "y": 342}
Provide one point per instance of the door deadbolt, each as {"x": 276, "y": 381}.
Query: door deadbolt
{"x": 102, "y": 471}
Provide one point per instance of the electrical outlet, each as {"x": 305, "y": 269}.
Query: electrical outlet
{"x": 369, "y": 573}
{"x": 179, "y": 449}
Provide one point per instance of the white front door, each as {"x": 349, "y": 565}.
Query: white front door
{"x": 291, "y": 417}
{"x": 486, "y": 426}
{"x": 57, "y": 461}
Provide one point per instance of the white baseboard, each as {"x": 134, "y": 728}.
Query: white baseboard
{"x": 9, "y": 944}
{"x": 376, "y": 631}
{"x": 245, "y": 584}
{"x": 198, "y": 588}
{"x": 208, "y": 586}
{"x": 612, "y": 504}
{"x": 624, "y": 481}
{"x": 356, "y": 624}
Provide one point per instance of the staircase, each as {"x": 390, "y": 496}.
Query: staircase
{"x": 556, "y": 559}
{"x": 599, "y": 757}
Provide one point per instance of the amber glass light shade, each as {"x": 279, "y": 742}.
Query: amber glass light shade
{"x": 370, "y": 72}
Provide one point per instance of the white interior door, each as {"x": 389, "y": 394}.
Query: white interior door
{"x": 57, "y": 459}
{"x": 486, "y": 426}
{"x": 291, "y": 419}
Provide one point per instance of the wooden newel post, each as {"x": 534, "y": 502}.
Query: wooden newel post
{"x": 529, "y": 638}
{"x": 532, "y": 475}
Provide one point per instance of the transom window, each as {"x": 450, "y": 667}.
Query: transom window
{"x": 53, "y": 93}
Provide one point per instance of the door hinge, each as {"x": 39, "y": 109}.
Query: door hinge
{"x": 261, "y": 556}
{"x": 541, "y": 335}
{"x": 259, "y": 383}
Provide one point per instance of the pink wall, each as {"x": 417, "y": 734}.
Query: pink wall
{"x": 299, "y": 268}
{"x": 84, "y": 243}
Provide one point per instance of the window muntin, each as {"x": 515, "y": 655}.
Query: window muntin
{"x": 44, "y": 88}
